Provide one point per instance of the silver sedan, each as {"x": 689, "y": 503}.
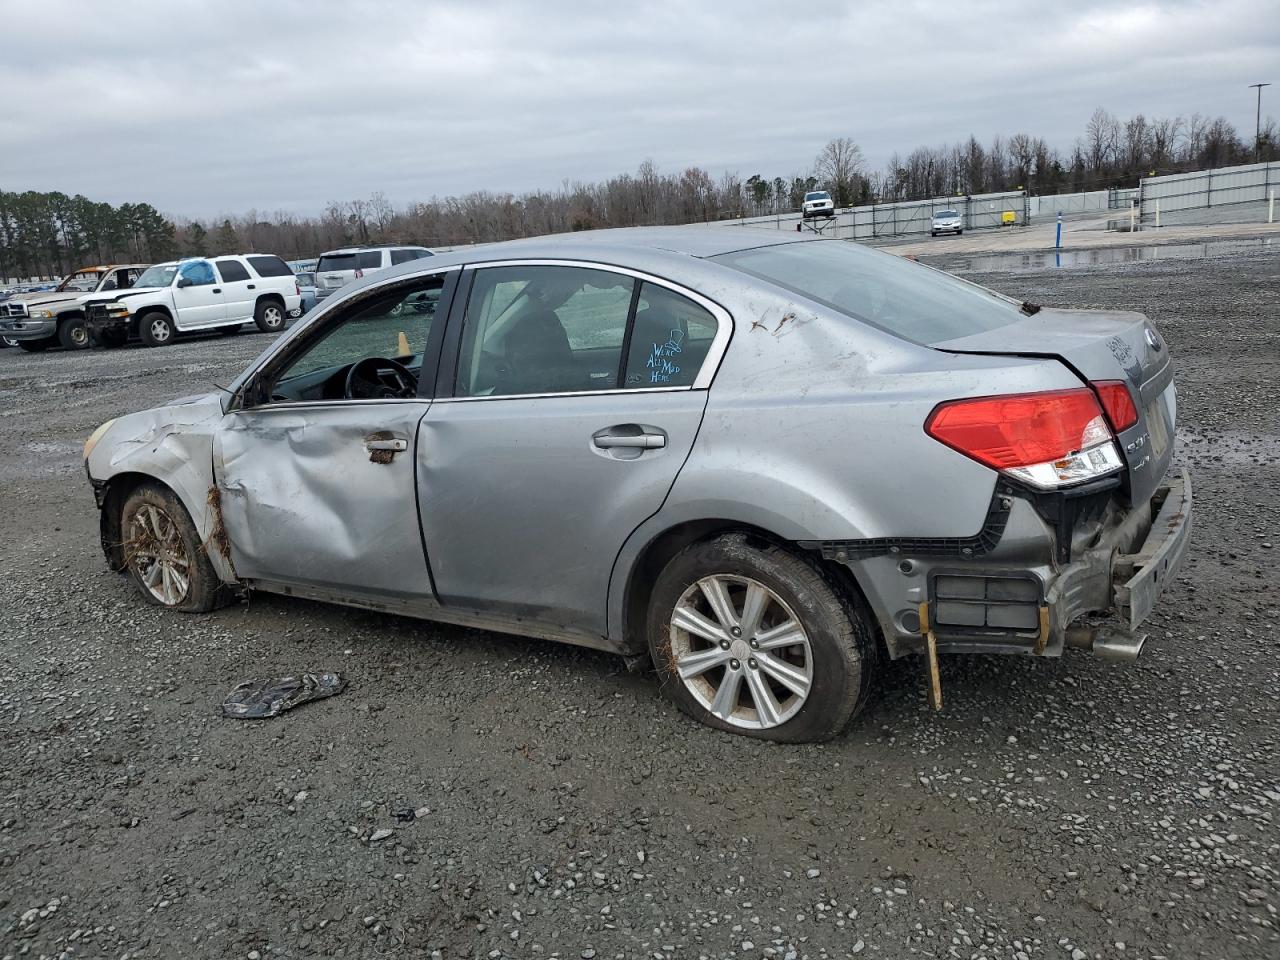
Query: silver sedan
{"x": 762, "y": 460}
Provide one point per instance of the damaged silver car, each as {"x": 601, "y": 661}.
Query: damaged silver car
{"x": 763, "y": 460}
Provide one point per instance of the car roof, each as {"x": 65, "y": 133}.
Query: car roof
{"x": 375, "y": 246}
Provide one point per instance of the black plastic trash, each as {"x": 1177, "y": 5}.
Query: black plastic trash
{"x": 255, "y": 699}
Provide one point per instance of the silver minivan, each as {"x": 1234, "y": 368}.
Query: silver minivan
{"x": 336, "y": 268}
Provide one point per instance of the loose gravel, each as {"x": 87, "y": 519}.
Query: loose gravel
{"x": 474, "y": 795}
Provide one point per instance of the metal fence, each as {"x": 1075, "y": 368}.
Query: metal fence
{"x": 1092, "y": 201}
{"x": 1182, "y": 197}
{"x": 904, "y": 219}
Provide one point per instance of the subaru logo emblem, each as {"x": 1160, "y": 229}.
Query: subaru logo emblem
{"x": 1152, "y": 340}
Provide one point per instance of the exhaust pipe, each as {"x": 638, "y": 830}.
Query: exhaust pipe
{"x": 1107, "y": 642}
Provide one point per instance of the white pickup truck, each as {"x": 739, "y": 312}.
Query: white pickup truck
{"x": 197, "y": 294}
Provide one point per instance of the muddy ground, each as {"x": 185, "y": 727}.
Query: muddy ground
{"x": 1067, "y": 808}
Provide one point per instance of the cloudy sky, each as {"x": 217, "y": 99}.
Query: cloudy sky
{"x": 205, "y": 108}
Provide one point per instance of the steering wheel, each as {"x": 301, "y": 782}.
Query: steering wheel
{"x": 364, "y": 381}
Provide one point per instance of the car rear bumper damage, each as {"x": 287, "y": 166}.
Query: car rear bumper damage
{"x": 1013, "y": 587}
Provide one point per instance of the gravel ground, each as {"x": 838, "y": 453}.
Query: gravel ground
{"x": 1065, "y": 808}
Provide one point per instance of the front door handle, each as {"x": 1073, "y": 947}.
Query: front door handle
{"x": 217, "y": 289}
{"x": 395, "y": 445}
{"x": 643, "y": 441}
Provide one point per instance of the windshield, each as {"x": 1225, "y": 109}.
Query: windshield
{"x": 160, "y": 275}
{"x": 82, "y": 280}
{"x": 945, "y": 214}
{"x": 906, "y": 299}
{"x": 821, "y": 195}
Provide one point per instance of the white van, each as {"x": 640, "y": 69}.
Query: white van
{"x": 337, "y": 268}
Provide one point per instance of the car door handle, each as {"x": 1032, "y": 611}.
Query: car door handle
{"x": 253, "y": 286}
{"x": 643, "y": 441}
{"x": 395, "y": 445}
{"x": 217, "y": 289}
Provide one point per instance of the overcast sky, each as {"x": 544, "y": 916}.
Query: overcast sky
{"x": 210, "y": 108}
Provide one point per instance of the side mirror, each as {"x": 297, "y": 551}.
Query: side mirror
{"x": 185, "y": 282}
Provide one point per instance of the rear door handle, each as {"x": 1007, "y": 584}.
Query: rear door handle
{"x": 644, "y": 441}
{"x": 217, "y": 289}
{"x": 395, "y": 445}
{"x": 253, "y": 286}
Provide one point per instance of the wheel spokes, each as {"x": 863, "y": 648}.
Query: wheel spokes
{"x": 790, "y": 676}
{"x": 767, "y": 705}
{"x": 726, "y": 699}
{"x": 713, "y": 588}
{"x": 783, "y": 635}
{"x": 753, "y": 608}
{"x": 686, "y": 618}
{"x": 696, "y": 664}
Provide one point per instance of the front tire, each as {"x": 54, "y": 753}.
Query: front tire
{"x": 73, "y": 334}
{"x": 156, "y": 329}
{"x": 751, "y": 639}
{"x": 269, "y": 316}
{"x": 163, "y": 553}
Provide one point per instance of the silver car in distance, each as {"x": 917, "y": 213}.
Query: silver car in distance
{"x": 763, "y": 460}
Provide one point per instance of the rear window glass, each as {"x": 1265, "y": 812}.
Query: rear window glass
{"x": 906, "y": 299}
{"x": 404, "y": 256}
{"x": 231, "y": 270}
{"x": 336, "y": 261}
{"x": 369, "y": 259}
{"x": 269, "y": 266}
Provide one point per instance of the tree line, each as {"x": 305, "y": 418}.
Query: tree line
{"x": 43, "y": 234}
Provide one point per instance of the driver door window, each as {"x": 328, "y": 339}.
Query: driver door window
{"x": 393, "y": 326}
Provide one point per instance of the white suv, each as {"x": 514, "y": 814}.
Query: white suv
{"x": 818, "y": 203}
{"x": 197, "y": 294}
{"x": 339, "y": 267}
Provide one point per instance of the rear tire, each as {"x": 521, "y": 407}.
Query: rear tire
{"x": 751, "y": 681}
{"x": 73, "y": 334}
{"x": 155, "y": 329}
{"x": 269, "y": 316}
{"x": 36, "y": 346}
{"x": 163, "y": 553}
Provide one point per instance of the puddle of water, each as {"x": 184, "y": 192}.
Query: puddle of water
{"x": 1049, "y": 259}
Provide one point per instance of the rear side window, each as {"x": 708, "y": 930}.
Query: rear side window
{"x": 669, "y": 341}
{"x": 269, "y": 266}
{"x": 543, "y": 329}
{"x": 906, "y": 299}
{"x": 231, "y": 270}
{"x": 369, "y": 259}
{"x": 404, "y": 256}
{"x": 336, "y": 261}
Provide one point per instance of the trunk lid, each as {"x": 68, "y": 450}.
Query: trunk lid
{"x": 1102, "y": 345}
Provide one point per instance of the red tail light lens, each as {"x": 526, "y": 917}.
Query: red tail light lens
{"x": 1118, "y": 402}
{"x": 1020, "y": 430}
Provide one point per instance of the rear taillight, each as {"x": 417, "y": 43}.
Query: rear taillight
{"x": 1048, "y": 440}
{"x": 1117, "y": 401}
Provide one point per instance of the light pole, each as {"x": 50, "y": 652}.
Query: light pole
{"x": 1257, "y": 129}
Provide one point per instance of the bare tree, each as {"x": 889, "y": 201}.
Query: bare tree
{"x": 839, "y": 168}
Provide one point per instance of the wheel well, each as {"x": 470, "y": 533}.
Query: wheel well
{"x": 666, "y": 545}
{"x": 118, "y": 489}
{"x": 269, "y": 296}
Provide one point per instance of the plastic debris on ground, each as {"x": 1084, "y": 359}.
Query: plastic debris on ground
{"x": 256, "y": 699}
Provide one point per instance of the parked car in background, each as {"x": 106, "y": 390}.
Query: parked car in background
{"x": 306, "y": 290}
{"x": 565, "y": 437}
{"x": 946, "y": 221}
{"x": 336, "y": 268}
{"x": 197, "y": 294}
{"x": 818, "y": 203}
{"x": 38, "y": 320}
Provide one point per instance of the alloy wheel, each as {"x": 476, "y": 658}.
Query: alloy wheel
{"x": 158, "y": 555}
{"x": 160, "y": 330}
{"x": 272, "y": 317}
{"x": 741, "y": 651}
